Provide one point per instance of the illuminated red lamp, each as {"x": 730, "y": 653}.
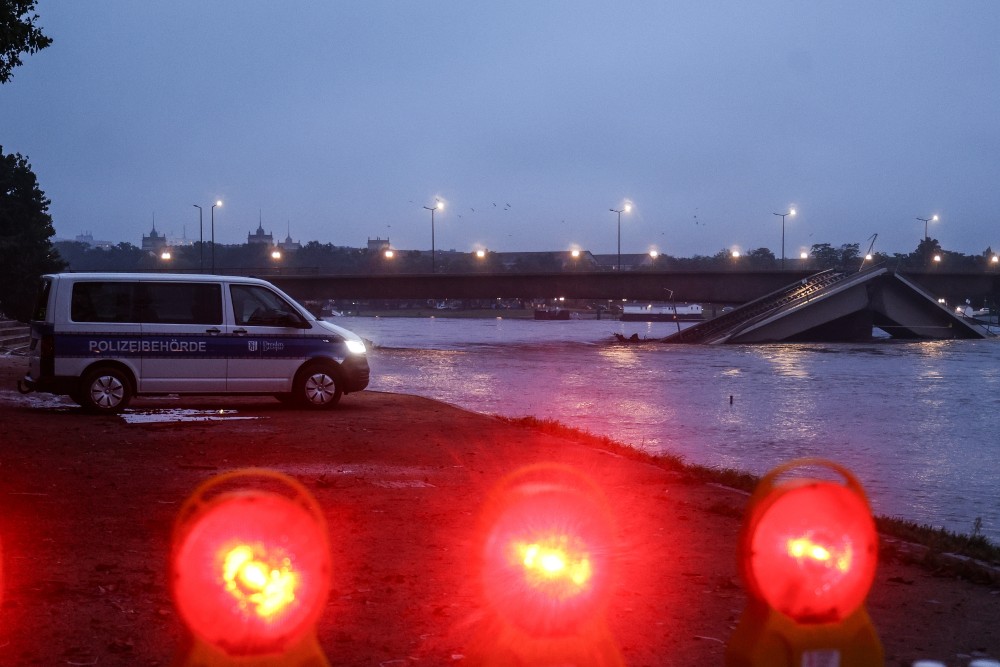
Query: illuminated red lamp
{"x": 250, "y": 571}
{"x": 808, "y": 553}
{"x": 546, "y": 564}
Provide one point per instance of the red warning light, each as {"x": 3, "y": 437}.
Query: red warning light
{"x": 251, "y": 568}
{"x": 808, "y": 552}
{"x": 547, "y": 550}
{"x": 813, "y": 551}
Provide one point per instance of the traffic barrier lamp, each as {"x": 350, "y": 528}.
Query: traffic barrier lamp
{"x": 250, "y": 572}
{"x": 545, "y": 548}
{"x": 807, "y": 555}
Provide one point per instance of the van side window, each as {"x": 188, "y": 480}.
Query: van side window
{"x": 41, "y": 309}
{"x": 182, "y": 303}
{"x": 103, "y": 302}
{"x": 258, "y": 306}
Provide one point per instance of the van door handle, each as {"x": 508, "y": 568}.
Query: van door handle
{"x": 241, "y": 332}
{"x": 215, "y": 331}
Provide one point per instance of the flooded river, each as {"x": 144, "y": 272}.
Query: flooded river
{"x": 919, "y": 423}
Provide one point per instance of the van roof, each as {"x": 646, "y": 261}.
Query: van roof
{"x": 154, "y": 277}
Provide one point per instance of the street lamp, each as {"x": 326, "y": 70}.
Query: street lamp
{"x": 782, "y": 216}
{"x": 626, "y": 209}
{"x": 933, "y": 218}
{"x": 481, "y": 254}
{"x": 201, "y": 241}
{"x": 436, "y": 206}
{"x": 165, "y": 255}
{"x": 217, "y": 203}
{"x": 275, "y": 254}
{"x": 389, "y": 254}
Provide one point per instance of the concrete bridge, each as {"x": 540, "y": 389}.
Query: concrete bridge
{"x": 687, "y": 286}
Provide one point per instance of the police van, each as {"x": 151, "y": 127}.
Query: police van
{"x": 102, "y": 338}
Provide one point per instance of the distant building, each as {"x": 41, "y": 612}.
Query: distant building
{"x": 288, "y": 245}
{"x": 629, "y": 261}
{"x": 547, "y": 260}
{"x": 260, "y": 237}
{"x": 154, "y": 242}
{"x": 88, "y": 239}
{"x": 378, "y": 245}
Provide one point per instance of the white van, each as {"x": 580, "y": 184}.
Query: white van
{"x": 102, "y": 338}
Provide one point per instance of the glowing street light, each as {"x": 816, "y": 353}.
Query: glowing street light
{"x": 653, "y": 254}
{"x": 389, "y": 254}
{"x": 937, "y": 259}
{"x": 481, "y": 254}
{"x": 791, "y": 212}
{"x": 574, "y": 253}
{"x": 995, "y": 259}
{"x": 438, "y": 205}
{"x": 933, "y": 218}
{"x": 735, "y": 254}
{"x": 625, "y": 209}
{"x": 217, "y": 203}
{"x": 803, "y": 255}
{"x": 165, "y": 255}
{"x": 276, "y": 254}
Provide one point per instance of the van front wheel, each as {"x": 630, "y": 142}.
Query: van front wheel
{"x": 316, "y": 386}
{"x": 104, "y": 390}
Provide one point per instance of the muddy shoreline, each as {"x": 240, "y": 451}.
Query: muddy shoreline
{"x": 89, "y": 504}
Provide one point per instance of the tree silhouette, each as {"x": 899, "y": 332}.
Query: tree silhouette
{"x": 25, "y": 229}
{"x": 18, "y": 34}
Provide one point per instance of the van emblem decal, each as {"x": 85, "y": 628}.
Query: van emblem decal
{"x": 252, "y": 345}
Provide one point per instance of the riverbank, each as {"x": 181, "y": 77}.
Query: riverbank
{"x": 89, "y": 504}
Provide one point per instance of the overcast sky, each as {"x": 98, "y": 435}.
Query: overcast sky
{"x": 528, "y": 119}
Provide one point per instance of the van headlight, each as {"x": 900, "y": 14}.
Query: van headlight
{"x": 355, "y": 346}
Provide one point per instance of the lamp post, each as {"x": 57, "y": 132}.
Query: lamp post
{"x": 217, "y": 203}
{"x": 933, "y": 218}
{"x": 201, "y": 241}
{"x": 432, "y": 209}
{"x": 626, "y": 209}
{"x": 782, "y": 216}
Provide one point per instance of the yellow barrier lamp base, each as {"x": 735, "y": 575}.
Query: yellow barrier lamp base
{"x": 307, "y": 653}
{"x": 501, "y": 645}
{"x": 766, "y": 638}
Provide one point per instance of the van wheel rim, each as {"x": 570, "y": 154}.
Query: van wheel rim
{"x": 320, "y": 389}
{"x": 107, "y": 391}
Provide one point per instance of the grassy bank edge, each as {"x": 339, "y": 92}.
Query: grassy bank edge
{"x": 970, "y": 556}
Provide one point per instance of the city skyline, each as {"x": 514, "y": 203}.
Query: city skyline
{"x": 175, "y": 240}
{"x": 532, "y": 123}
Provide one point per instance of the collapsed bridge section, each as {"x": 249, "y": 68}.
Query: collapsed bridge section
{"x": 834, "y": 306}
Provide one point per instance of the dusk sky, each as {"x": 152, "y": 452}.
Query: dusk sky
{"x": 529, "y": 119}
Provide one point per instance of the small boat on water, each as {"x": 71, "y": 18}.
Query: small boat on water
{"x": 980, "y": 316}
{"x": 662, "y": 312}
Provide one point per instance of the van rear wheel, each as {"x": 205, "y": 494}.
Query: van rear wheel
{"x": 317, "y": 386}
{"x": 104, "y": 390}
